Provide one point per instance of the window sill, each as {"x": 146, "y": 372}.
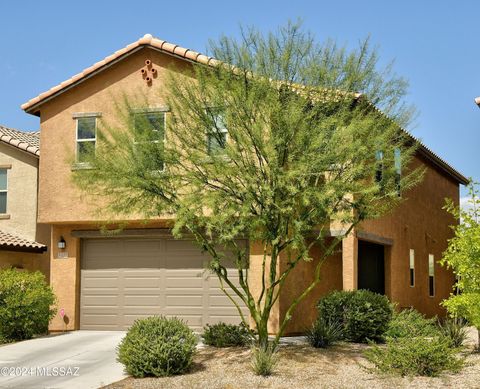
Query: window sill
{"x": 4, "y": 216}
{"x": 82, "y": 166}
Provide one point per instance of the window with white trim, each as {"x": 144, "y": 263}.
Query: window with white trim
{"x": 217, "y": 136}
{"x": 431, "y": 275}
{"x": 412, "y": 268}
{"x": 3, "y": 190}
{"x": 86, "y": 138}
{"x": 150, "y": 138}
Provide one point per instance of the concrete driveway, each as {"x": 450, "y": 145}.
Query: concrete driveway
{"x": 80, "y": 359}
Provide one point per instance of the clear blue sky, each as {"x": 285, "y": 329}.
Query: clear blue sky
{"x": 435, "y": 45}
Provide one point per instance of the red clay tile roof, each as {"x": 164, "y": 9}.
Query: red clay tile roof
{"x": 26, "y": 141}
{"x": 190, "y": 55}
{"x": 16, "y": 243}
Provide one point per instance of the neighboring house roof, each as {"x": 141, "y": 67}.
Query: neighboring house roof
{"x": 26, "y": 141}
{"x": 32, "y": 105}
{"x": 16, "y": 243}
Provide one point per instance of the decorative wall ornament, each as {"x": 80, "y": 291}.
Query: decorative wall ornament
{"x": 148, "y": 72}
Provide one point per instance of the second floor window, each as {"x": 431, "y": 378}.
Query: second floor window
{"x": 3, "y": 190}
{"x": 150, "y": 137}
{"x": 398, "y": 169}
{"x": 217, "y": 136}
{"x": 379, "y": 166}
{"x": 431, "y": 275}
{"x": 412, "y": 267}
{"x": 86, "y": 138}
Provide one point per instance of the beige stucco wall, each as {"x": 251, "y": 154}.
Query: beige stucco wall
{"x": 21, "y": 216}
{"x": 22, "y": 192}
{"x": 419, "y": 223}
{"x": 59, "y": 200}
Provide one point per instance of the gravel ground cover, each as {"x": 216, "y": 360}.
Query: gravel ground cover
{"x": 301, "y": 366}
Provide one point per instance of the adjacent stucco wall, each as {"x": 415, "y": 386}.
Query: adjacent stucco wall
{"x": 21, "y": 216}
{"x": 22, "y": 192}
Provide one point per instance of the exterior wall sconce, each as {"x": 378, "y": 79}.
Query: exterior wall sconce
{"x": 61, "y": 243}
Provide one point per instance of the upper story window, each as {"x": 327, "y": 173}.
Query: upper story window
{"x": 431, "y": 275}
{"x": 217, "y": 136}
{"x": 3, "y": 190}
{"x": 150, "y": 137}
{"x": 86, "y": 138}
{"x": 412, "y": 267}
{"x": 379, "y": 166}
{"x": 149, "y": 126}
{"x": 398, "y": 169}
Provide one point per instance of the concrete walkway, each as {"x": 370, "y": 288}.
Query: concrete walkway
{"x": 74, "y": 360}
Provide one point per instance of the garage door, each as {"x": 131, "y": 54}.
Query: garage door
{"x": 126, "y": 279}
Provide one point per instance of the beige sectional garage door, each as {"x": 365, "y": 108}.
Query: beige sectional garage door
{"x": 126, "y": 279}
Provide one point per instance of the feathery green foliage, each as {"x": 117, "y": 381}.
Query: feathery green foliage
{"x": 411, "y": 323}
{"x": 416, "y": 356}
{"x": 463, "y": 257}
{"x": 300, "y": 153}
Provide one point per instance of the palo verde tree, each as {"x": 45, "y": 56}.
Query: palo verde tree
{"x": 273, "y": 141}
{"x": 463, "y": 257}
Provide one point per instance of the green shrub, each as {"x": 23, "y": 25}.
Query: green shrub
{"x": 157, "y": 346}
{"x": 408, "y": 323}
{"x": 363, "y": 315}
{"x": 455, "y": 330}
{"x": 264, "y": 360}
{"x": 226, "y": 335}
{"x": 26, "y": 304}
{"x": 323, "y": 333}
{"x": 411, "y": 356}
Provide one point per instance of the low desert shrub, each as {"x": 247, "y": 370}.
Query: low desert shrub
{"x": 157, "y": 346}
{"x": 226, "y": 335}
{"x": 415, "y": 356}
{"x": 411, "y": 323}
{"x": 26, "y": 304}
{"x": 264, "y": 360}
{"x": 454, "y": 329}
{"x": 323, "y": 333}
{"x": 363, "y": 315}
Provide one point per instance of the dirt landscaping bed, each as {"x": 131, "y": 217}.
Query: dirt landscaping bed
{"x": 300, "y": 366}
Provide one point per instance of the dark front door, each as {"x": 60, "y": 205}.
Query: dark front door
{"x": 371, "y": 267}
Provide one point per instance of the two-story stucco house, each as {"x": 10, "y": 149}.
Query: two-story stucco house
{"x": 22, "y": 241}
{"x": 105, "y": 282}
